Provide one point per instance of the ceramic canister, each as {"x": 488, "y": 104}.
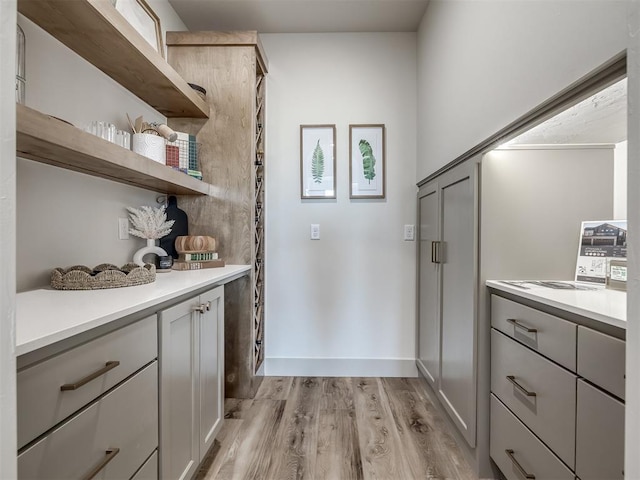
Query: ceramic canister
{"x": 149, "y": 145}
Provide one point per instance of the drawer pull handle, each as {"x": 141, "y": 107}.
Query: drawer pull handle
{"x": 519, "y": 325}
{"x": 74, "y": 386}
{"x": 522, "y": 471}
{"x": 110, "y": 455}
{"x": 512, "y": 379}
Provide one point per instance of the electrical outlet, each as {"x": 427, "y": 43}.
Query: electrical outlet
{"x": 409, "y": 232}
{"x": 123, "y": 228}
{"x": 315, "y": 231}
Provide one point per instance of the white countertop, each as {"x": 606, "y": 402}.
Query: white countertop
{"x": 602, "y": 304}
{"x": 46, "y": 316}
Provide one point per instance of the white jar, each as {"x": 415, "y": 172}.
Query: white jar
{"x": 149, "y": 145}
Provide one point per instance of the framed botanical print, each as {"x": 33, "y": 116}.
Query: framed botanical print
{"x": 317, "y": 161}
{"x": 367, "y": 165}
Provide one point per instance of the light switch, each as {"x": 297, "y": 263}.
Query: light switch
{"x": 315, "y": 231}
{"x": 409, "y": 232}
{"x": 123, "y": 228}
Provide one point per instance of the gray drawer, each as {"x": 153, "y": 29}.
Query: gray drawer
{"x": 41, "y": 402}
{"x": 149, "y": 471}
{"x": 599, "y": 435}
{"x": 554, "y": 337}
{"x": 601, "y": 360}
{"x": 508, "y": 433}
{"x": 550, "y": 414}
{"x": 126, "y": 419}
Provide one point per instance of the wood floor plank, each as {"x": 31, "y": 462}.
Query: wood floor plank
{"x": 295, "y": 444}
{"x": 381, "y": 453}
{"x": 335, "y": 429}
{"x": 337, "y": 393}
{"x": 338, "y": 450}
{"x": 435, "y": 418}
{"x": 274, "y": 388}
{"x": 237, "y": 408}
{"x": 216, "y": 456}
{"x": 249, "y": 455}
{"x": 424, "y": 447}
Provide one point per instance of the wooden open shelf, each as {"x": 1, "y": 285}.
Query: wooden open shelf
{"x": 48, "y": 140}
{"x": 96, "y": 31}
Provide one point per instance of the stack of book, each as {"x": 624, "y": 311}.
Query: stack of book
{"x": 196, "y": 252}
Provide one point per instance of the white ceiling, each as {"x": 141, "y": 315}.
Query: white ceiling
{"x": 302, "y": 16}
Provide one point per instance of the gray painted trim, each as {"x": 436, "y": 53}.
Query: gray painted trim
{"x": 605, "y": 75}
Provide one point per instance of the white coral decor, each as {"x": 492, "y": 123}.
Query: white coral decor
{"x": 149, "y": 222}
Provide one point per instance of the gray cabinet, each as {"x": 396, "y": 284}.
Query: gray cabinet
{"x": 567, "y": 409}
{"x": 518, "y": 452}
{"x": 446, "y": 349}
{"x": 92, "y": 408}
{"x": 191, "y": 382}
{"x": 428, "y": 335}
{"x": 599, "y": 434}
{"x": 539, "y": 392}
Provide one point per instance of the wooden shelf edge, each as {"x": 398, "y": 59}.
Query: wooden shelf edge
{"x": 48, "y": 140}
{"x": 96, "y": 31}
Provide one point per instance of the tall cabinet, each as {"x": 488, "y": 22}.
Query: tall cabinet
{"x": 509, "y": 214}
{"x": 446, "y": 349}
{"x": 231, "y": 66}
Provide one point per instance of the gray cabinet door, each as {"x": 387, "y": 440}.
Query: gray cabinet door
{"x": 458, "y": 258}
{"x": 428, "y": 334}
{"x": 179, "y": 446}
{"x": 211, "y": 380}
{"x": 599, "y": 435}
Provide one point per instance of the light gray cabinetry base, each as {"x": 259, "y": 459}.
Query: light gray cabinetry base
{"x": 43, "y": 403}
{"x": 191, "y": 382}
{"x": 601, "y": 360}
{"x": 526, "y": 452}
{"x": 548, "y": 335}
{"x": 576, "y": 414}
{"x": 122, "y": 427}
{"x": 548, "y": 408}
{"x": 599, "y": 435}
{"x": 447, "y": 290}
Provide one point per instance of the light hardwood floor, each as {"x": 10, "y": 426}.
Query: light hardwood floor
{"x": 335, "y": 429}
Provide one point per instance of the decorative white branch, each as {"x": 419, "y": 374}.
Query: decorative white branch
{"x": 149, "y": 222}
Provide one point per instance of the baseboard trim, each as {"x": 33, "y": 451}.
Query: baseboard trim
{"x": 340, "y": 367}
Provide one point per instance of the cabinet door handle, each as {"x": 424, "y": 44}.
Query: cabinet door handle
{"x": 200, "y": 308}
{"x": 512, "y": 379}
{"x": 110, "y": 455}
{"x": 435, "y": 252}
{"x": 74, "y": 386}
{"x": 208, "y": 306}
{"x": 516, "y": 324}
{"x": 522, "y": 471}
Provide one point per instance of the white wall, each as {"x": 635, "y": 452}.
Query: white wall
{"x": 483, "y": 64}
{"x": 66, "y": 218}
{"x": 8, "y": 443}
{"x": 632, "y": 392}
{"x": 343, "y": 305}
{"x": 620, "y": 181}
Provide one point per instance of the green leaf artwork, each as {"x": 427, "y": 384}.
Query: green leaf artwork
{"x": 368, "y": 160}
{"x": 317, "y": 164}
